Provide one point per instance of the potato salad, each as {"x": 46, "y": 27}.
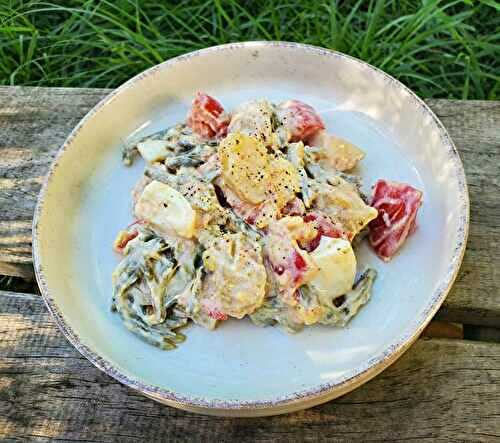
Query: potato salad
{"x": 248, "y": 213}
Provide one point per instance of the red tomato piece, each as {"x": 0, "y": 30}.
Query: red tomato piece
{"x": 324, "y": 227}
{"x": 299, "y": 262}
{"x": 397, "y": 205}
{"x": 297, "y": 267}
{"x": 310, "y": 217}
{"x": 279, "y": 269}
{"x": 124, "y": 239}
{"x": 300, "y": 119}
{"x": 294, "y": 207}
{"x": 217, "y": 315}
{"x": 207, "y": 117}
{"x": 293, "y": 264}
{"x": 137, "y": 222}
{"x": 251, "y": 217}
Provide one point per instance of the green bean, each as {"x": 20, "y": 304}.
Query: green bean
{"x": 128, "y": 154}
{"x": 160, "y": 175}
{"x": 275, "y": 311}
{"x": 187, "y": 160}
{"x": 141, "y": 296}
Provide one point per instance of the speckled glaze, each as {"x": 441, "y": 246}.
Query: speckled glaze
{"x": 83, "y": 202}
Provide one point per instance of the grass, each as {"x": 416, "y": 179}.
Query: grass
{"x": 447, "y": 49}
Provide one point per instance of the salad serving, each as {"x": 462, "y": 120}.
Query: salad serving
{"x": 251, "y": 213}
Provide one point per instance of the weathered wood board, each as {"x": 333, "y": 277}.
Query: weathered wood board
{"x": 33, "y": 124}
{"x": 440, "y": 390}
{"x": 35, "y": 121}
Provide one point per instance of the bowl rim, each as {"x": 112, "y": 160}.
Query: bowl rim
{"x": 295, "y": 400}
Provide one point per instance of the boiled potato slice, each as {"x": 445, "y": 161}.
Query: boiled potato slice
{"x": 285, "y": 181}
{"x": 254, "y": 118}
{"x": 337, "y": 152}
{"x": 337, "y": 268}
{"x": 341, "y": 201}
{"x": 253, "y": 174}
{"x": 167, "y": 209}
{"x": 235, "y": 283}
{"x": 245, "y": 166}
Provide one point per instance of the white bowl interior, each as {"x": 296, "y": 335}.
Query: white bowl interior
{"x": 87, "y": 201}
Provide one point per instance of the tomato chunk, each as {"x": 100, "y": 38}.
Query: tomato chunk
{"x": 123, "y": 238}
{"x": 299, "y": 262}
{"x": 207, "y": 118}
{"x": 397, "y": 205}
{"x": 294, "y": 207}
{"x": 300, "y": 119}
{"x": 324, "y": 227}
{"x": 296, "y": 266}
{"x": 217, "y": 315}
{"x": 291, "y": 265}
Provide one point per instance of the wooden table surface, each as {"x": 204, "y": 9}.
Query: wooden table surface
{"x": 441, "y": 389}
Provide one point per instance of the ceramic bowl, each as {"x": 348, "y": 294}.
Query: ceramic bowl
{"x": 240, "y": 369}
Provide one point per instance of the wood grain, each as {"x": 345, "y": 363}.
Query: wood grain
{"x": 440, "y": 329}
{"x": 475, "y": 128}
{"x": 440, "y": 390}
{"x": 35, "y": 121}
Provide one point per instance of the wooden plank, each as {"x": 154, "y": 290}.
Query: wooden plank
{"x": 35, "y": 121}
{"x": 440, "y": 329}
{"x": 33, "y": 124}
{"x": 440, "y": 389}
{"x": 475, "y": 128}
{"x": 482, "y": 333}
